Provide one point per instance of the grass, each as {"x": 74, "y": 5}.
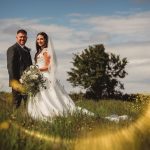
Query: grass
{"x": 19, "y": 131}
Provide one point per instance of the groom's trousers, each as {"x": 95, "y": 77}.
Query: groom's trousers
{"x": 18, "y": 97}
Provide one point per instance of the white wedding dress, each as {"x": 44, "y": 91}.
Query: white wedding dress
{"x": 52, "y": 101}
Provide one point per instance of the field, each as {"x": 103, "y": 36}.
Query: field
{"x": 19, "y": 131}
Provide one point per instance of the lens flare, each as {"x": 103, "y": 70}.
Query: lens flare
{"x": 41, "y": 136}
{"x": 17, "y": 86}
{"x": 4, "y": 125}
{"x": 122, "y": 139}
{"x": 126, "y": 138}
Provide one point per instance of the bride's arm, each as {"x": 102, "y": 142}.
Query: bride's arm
{"x": 47, "y": 58}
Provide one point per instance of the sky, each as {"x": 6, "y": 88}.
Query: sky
{"x": 121, "y": 26}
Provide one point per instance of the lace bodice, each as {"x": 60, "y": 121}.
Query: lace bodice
{"x": 40, "y": 58}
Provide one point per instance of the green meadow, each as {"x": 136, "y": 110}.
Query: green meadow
{"x": 20, "y": 132}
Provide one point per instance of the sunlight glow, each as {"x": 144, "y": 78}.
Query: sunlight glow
{"x": 126, "y": 138}
{"x": 17, "y": 86}
{"x": 120, "y": 140}
{"x": 40, "y": 136}
{"x": 4, "y": 125}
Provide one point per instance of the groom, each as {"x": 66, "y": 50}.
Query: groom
{"x": 18, "y": 59}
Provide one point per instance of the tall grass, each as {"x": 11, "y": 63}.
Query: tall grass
{"x": 19, "y": 131}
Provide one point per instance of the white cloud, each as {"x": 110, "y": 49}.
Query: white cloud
{"x": 141, "y": 1}
{"x": 125, "y": 35}
{"x": 132, "y": 26}
{"x": 75, "y": 15}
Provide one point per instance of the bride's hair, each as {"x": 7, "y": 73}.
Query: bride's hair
{"x": 38, "y": 48}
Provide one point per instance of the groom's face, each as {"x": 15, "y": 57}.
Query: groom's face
{"x": 21, "y": 38}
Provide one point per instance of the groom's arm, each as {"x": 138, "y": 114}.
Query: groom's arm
{"x": 12, "y": 64}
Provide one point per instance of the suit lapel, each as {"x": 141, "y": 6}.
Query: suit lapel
{"x": 23, "y": 53}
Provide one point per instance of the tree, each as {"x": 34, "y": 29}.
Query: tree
{"x": 98, "y": 72}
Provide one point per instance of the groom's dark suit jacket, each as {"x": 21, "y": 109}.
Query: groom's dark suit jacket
{"x": 18, "y": 59}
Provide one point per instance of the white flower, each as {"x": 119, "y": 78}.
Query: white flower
{"x": 32, "y": 80}
{"x": 34, "y": 77}
{"x": 32, "y": 67}
{"x": 21, "y": 81}
{"x": 28, "y": 72}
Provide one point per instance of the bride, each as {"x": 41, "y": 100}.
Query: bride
{"x": 54, "y": 100}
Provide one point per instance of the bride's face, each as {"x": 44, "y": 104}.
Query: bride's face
{"x": 40, "y": 40}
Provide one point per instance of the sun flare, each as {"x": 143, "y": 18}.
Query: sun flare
{"x": 121, "y": 140}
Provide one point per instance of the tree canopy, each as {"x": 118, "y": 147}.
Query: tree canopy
{"x": 98, "y": 72}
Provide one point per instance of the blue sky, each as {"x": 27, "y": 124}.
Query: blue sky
{"x": 122, "y": 26}
{"x": 57, "y": 8}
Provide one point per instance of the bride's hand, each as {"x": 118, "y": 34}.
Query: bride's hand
{"x": 43, "y": 69}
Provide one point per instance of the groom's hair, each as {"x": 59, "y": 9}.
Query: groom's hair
{"x": 22, "y": 31}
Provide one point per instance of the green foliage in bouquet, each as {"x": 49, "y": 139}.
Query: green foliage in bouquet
{"x": 33, "y": 80}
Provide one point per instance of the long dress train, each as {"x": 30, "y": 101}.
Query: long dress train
{"x": 52, "y": 101}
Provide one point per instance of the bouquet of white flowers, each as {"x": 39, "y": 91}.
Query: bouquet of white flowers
{"x": 33, "y": 80}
